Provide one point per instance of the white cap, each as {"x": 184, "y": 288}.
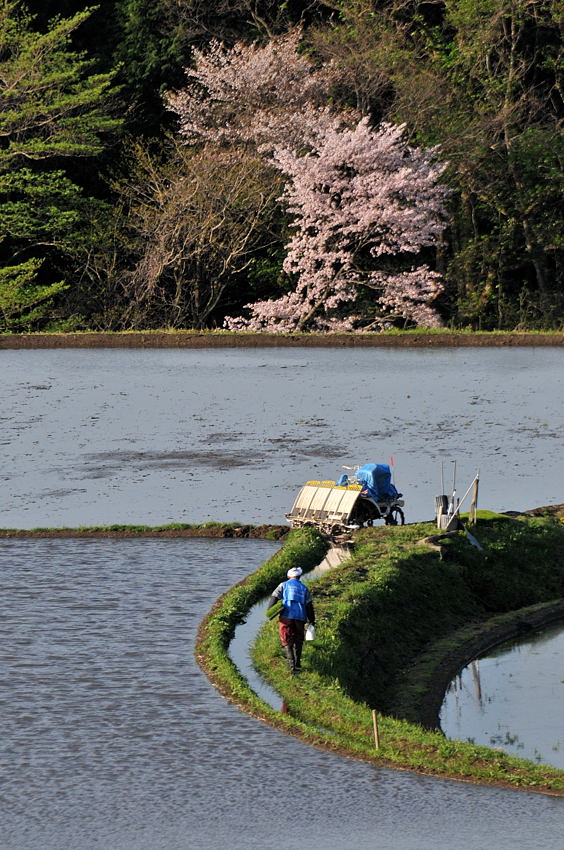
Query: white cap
{"x": 295, "y": 572}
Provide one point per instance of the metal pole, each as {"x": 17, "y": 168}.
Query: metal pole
{"x": 460, "y": 501}
{"x": 474, "y": 504}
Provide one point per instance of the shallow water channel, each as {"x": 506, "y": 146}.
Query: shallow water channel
{"x": 111, "y": 736}
{"x": 513, "y": 698}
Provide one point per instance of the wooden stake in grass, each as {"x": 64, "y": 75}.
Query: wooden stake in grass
{"x": 375, "y": 725}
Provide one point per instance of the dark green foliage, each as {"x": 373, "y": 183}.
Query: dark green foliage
{"x": 54, "y": 103}
{"x": 23, "y": 301}
{"x": 54, "y": 111}
{"x": 152, "y": 48}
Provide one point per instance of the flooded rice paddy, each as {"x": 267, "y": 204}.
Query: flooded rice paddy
{"x": 176, "y": 435}
{"x": 513, "y": 698}
{"x": 111, "y": 736}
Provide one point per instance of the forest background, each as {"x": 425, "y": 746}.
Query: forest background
{"x": 120, "y": 210}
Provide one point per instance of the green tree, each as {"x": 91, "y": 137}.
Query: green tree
{"x": 481, "y": 78}
{"x": 503, "y": 75}
{"x": 54, "y": 111}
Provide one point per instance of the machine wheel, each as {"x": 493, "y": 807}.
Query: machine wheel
{"x": 395, "y": 517}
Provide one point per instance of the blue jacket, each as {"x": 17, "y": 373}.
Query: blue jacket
{"x": 295, "y": 597}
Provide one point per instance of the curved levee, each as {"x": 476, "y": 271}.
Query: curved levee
{"x": 321, "y": 711}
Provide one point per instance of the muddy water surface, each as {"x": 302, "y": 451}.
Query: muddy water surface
{"x": 128, "y": 436}
{"x": 112, "y": 738}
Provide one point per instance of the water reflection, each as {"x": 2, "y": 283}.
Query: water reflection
{"x": 111, "y": 736}
{"x": 512, "y": 699}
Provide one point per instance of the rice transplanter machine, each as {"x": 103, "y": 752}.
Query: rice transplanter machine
{"x": 337, "y": 507}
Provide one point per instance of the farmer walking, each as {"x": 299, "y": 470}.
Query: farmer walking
{"x": 297, "y": 609}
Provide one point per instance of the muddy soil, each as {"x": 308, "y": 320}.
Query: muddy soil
{"x": 192, "y": 339}
{"x": 546, "y": 510}
{"x": 247, "y": 532}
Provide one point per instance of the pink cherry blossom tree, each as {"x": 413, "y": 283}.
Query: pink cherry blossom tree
{"x": 263, "y": 94}
{"x": 364, "y": 201}
{"x": 360, "y": 197}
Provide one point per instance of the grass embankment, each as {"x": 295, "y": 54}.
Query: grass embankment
{"x": 389, "y": 619}
{"x": 174, "y": 529}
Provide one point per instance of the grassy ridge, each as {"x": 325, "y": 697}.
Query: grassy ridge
{"x": 396, "y": 595}
{"x": 376, "y": 615}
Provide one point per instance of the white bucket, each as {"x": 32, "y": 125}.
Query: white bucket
{"x": 310, "y": 632}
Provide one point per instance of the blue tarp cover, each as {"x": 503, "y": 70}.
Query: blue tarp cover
{"x": 376, "y": 478}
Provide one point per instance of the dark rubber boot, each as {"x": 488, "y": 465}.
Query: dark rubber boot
{"x": 298, "y": 651}
{"x": 289, "y": 653}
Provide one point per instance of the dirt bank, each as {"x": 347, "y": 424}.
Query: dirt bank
{"x": 546, "y": 510}
{"x": 247, "y": 532}
{"x": 194, "y": 339}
